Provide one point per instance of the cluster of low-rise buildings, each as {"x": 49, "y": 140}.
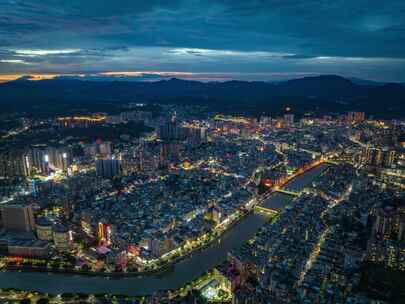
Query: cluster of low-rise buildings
{"x": 141, "y": 203}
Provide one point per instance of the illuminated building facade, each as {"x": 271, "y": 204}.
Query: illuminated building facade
{"x": 81, "y": 121}
{"x": 379, "y": 157}
{"x": 104, "y": 233}
{"x": 62, "y": 237}
{"x": 355, "y": 117}
{"x": 45, "y": 159}
{"x": 44, "y": 229}
{"x": 39, "y": 159}
{"x": 387, "y": 247}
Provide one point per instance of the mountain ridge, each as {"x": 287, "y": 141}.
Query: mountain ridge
{"x": 325, "y": 91}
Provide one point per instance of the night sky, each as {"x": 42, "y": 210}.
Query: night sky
{"x": 207, "y": 40}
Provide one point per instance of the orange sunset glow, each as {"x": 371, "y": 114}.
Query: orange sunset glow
{"x": 11, "y": 77}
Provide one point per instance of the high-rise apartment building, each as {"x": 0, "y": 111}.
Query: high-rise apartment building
{"x": 379, "y": 157}
{"x": 108, "y": 167}
{"x": 355, "y": 117}
{"x": 171, "y": 130}
{"x": 289, "y": 120}
{"x": 13, "y": 164}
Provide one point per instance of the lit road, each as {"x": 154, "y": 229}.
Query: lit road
{"x": 176, "y": 276}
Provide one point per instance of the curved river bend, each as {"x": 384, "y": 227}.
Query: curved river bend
{"x": 178, "y": 275}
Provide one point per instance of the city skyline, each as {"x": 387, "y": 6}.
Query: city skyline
{"x": 202, "y": 151}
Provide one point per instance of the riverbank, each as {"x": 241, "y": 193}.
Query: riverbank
{"x": 174, "y": 277}
{"x": 116, "y": 274}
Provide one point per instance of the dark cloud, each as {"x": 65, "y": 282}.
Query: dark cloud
{"x": 271, "y": 36}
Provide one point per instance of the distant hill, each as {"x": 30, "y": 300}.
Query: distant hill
{"x": 330, "y": 86}
{"x": 322, "y": 94}
{"x": 366, "y": 82}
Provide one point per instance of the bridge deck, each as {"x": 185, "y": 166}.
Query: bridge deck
{"x": 267, "y": 211}
{"x": 288, "y": 192}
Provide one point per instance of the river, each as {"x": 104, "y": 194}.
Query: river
{"x": 178, "y": 275}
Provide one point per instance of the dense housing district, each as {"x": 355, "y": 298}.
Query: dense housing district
{"x": 135, "y": 192}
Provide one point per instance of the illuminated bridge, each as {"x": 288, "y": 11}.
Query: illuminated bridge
{"x": 266, "y": 211}
{"x": 288, "y": 192}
